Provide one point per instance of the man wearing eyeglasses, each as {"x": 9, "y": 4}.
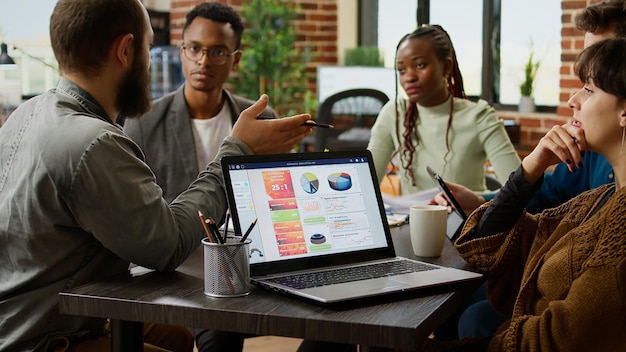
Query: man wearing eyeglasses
{"x": 183, "y": 131}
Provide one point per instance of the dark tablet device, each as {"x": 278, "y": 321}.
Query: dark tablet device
{"x": 457, "y": 217}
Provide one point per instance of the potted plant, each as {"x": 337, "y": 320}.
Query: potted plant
{"x": 271, "y": 63}
{"x": 363, "y": 56}
{"x": 527, "y": 102}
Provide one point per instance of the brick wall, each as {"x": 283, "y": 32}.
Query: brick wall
{"x": 179, "y": 9}
{"x": 317, "y": 25}
{"x": 571, "y": 45}
{"x": 533, "y": 126}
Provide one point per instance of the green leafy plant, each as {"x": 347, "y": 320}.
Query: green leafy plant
{"x": 363, "y": 56}
{"x": 271, "y": 64}
{"x": 530, "y": 72}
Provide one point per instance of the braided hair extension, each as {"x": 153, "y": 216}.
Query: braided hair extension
{"x": 443, "y": 45}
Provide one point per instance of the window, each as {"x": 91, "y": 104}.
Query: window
{"x": 31, "y": 37}
{"x": 463, "y": 19}
{"x": 395, "y": 19}
{"x": 518, "y": 36}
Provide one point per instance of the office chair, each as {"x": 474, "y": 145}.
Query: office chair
{"x": 492, "y": 183}
{"x": 352, "y": 112}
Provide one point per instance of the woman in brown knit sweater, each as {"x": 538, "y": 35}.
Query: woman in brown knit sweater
{"x": 561, "y": 274}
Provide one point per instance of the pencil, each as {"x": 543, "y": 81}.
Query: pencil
{"x": 206, "y": 229}
{"x": 229, "y": 282}
{"x": 308, "y": 123}
{"x": 245, "y": 235}
{"x": 226, "y": 224}
{"x": 220, "y": 263}
{"x": 215, "y": 231}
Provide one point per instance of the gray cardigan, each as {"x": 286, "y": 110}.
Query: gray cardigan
{"x": 165, "y": 136}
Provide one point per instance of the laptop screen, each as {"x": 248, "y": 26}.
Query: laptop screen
{"x": 307, "y": 205}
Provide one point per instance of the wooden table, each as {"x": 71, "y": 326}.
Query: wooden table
{"x": 399, "y": 321}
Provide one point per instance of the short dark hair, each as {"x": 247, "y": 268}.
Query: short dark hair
{"x": 83, "y": 31}
{"x": 604, "y": 64}
{"x": 217, "y": 12}
{"x": 602, "y": 15}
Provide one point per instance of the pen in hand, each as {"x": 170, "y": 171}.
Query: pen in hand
{"x": 245, "y": 235}
{"x": 308, "y": 123}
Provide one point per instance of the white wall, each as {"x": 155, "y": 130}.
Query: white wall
{"x": 157, "y": 5}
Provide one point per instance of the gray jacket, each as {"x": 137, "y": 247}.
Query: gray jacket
{"x": 165, "y": 136}
{"x": 77, "y": 204}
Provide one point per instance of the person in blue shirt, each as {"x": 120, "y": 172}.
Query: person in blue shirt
{"x": 600, "y": 21}
{"x": 562, "y": 185}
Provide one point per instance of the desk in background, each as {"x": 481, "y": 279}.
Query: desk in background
{"x": 177, "y": 298}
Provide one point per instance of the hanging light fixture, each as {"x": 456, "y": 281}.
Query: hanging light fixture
{"x": 6, "y": 62}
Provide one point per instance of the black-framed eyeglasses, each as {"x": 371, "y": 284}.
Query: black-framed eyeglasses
{"x": 217, "y": 56}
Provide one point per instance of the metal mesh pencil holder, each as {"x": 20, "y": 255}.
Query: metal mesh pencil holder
{"x": 226, "y": 268}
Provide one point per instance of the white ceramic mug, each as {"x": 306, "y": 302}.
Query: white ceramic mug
{"x": 428, "y": 229}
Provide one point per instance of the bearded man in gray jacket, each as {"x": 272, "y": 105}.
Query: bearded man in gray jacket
{"x": 77, "y": 201}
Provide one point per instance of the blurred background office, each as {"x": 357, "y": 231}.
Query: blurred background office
{"x": 24, "y": 24}
{"x": 494, "y": 39}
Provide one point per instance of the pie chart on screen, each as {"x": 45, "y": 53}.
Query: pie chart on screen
{"x": 309, "y": 182}
{"x": 340, "y": 181}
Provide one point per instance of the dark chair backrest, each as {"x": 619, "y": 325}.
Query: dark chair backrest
{"x": 492, "y": 183}
{"x": 353, "y": 102}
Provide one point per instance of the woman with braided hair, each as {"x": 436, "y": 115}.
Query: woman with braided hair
{"x": 434, "y": 124}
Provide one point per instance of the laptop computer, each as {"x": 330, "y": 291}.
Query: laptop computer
{"x": 319, "y": 215}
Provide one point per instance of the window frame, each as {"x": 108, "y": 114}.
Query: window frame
{"x": 491, "y": 37}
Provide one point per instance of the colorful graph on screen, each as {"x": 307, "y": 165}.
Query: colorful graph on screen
{"x": 284, "y": 211}
{"x": 309, "y": 182}
{"x": 340, "y": 181}
{"x": 278, "y": 184}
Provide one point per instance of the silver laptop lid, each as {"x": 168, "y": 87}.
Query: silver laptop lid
{"x": 312, "y": 209}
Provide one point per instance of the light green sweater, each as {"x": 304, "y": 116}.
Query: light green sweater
{"x": 476, "y": 135}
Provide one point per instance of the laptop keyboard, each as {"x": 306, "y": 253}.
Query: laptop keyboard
{"x": 363, "y": 272}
